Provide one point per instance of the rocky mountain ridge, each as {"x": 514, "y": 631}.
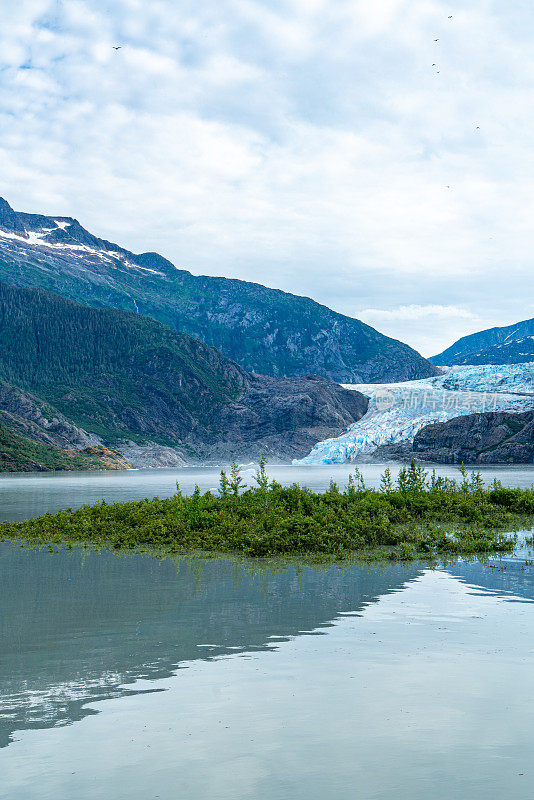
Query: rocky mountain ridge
{"x": 483, "y": 438}
{"x": 513, "y": 344}
{"x": 491, "y": 438}
{"x": 264, "y": 330}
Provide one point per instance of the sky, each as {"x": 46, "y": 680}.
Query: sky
{"x": 376, "y": 156}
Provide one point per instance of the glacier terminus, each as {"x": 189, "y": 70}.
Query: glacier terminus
{"x": 398, "y": 411}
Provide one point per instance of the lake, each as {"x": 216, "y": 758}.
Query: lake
{"x": 24, "y": 495}
{"x": 133, "y": 678}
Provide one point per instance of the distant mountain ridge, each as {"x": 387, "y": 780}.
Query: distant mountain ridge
{"x": 513, "y": 344}
{"x": 266, "y": 331}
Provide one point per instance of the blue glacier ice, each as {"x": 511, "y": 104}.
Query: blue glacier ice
{"x": 397, "y": 411}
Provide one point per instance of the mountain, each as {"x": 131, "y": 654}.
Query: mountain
{"x": 513, "y": 344}
{"x": 264, "y": 330}
{"x": 491, "y": 438}
{"x": 129, "y": 381}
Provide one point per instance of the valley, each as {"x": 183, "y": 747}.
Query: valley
{"x": 172, "y": 369}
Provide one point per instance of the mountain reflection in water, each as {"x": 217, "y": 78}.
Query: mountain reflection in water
{"x": 226, "y": 680}
{"x": 78, "y": 627}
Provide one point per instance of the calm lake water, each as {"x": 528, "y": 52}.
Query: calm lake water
{"x": 128, "y": 678}
{"x": 29, "y": 495}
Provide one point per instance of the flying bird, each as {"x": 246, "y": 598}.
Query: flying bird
{"x": 450, "y": 16}
{"x": 436, "y": 40}
{"x": 117, "y": 48}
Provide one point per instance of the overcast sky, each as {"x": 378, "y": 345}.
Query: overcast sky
{"x": 326, "y": 147}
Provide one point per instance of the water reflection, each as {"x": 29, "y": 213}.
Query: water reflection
{"x": 511, "y": 579}
{"x": 217, "y": 682}
{"x": 78, "y": 627}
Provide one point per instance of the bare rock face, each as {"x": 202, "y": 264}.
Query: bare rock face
{"x": 109, "y": 459}
{"x": 284, "y": 418}
{"x": 31, "y": 417}
{"x": 491, "y": 438}
{"x": 10, "y": 220}
{"x": 397, "y": 451}
{"x": 150, "y": 455}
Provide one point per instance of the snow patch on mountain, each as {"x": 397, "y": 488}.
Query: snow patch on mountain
{"x": 33, "y": 239}
{"x": 398, "y": 411}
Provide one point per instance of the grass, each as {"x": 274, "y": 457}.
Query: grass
{"x": 417, "y": 516}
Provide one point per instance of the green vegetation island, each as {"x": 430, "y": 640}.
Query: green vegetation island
{"x": 419, "y": 515}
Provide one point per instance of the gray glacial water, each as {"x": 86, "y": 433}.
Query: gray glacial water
{"x": 132, "y": 678}
{"x": 29, "y": 495}
{"x": 129, "y": 678}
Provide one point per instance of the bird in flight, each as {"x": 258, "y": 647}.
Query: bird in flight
{"x": 450, "y": 16}
{"x": 119, "y": 47}
{"x": 436, "y": 40}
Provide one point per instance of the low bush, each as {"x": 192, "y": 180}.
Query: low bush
{"x": 418, "y": 515}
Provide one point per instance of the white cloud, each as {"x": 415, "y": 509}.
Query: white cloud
{"x": 431, "y": 328}
{"x": 424, "y": 326}
{"x": 420, "y": 312}
{"x": 308, "y": 145}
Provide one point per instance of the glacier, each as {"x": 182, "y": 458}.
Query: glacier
{"x": 397, "y": 411}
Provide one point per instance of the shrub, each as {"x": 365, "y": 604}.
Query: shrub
{"x": 420, "y": 515}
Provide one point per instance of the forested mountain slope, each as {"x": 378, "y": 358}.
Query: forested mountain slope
{"x": 264, "y": 330}
{"x": 123, "y": 377}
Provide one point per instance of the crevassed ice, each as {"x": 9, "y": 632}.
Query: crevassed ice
{"x": 487, "y": 377}
{"x": 397, "y": 411}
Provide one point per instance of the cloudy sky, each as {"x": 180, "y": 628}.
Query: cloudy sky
{"x": 330, "y": 148}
